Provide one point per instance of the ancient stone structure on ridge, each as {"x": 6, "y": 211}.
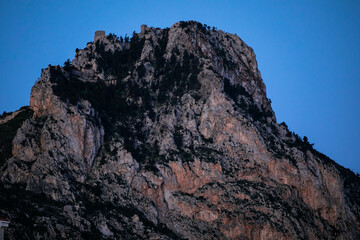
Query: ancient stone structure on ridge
{"x": 143, "y": 28}
{"x": 99, "y": 35}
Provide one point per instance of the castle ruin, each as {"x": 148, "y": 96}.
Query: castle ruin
{"x": 99, "y": 35}
{"x": 143, "y": 28}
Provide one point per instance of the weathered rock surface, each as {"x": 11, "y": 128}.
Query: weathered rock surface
{"x": 168, "y": 135}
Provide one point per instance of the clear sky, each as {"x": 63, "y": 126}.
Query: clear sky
{"x": 308, "y": 53}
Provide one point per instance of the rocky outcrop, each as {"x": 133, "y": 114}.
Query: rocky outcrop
{"x": 59, "y": 138}
{"x": 168, "y": 135}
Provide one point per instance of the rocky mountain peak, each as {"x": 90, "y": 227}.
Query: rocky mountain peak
{"x": 221, "y": 54}
{"x": 167, "y": 134}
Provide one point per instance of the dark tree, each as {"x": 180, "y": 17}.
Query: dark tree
{"x": 67, "y": 65}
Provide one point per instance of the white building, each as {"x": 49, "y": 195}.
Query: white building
{"x": 3, "y": 224}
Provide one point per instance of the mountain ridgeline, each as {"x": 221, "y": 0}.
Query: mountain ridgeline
{"x": 168, "y": 134}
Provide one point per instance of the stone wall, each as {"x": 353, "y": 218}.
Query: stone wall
{"x": 99, "y": 35}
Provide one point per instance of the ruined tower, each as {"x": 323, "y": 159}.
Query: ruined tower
{"x": 143, "y": 28}
{"x": 99, "y": 35}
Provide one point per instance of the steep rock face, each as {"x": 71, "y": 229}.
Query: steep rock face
{"x": 59, "y": 138}
{"x": 168, "y": 135}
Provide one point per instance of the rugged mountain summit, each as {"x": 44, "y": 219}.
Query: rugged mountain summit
{"x": 167, "y": 135}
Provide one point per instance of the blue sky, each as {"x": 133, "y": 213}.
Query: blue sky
{"x": 308, "y": 53}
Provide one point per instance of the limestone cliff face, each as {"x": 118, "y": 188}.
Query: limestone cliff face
{"x": 168, "y": 135}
